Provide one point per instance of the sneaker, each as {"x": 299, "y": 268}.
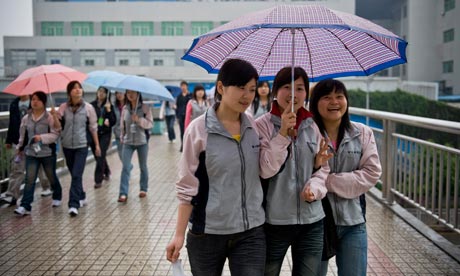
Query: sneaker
{"x": 11, "y": 201}
{"x": 21, "y": 211}
{"x": 122, "y": 198}
{"x": 83, "y": 203}
{"x": 46, "y": 192}
{"x": 142, "y": 194}
{"x": 56, "y": 203}
{"x": 97, "y": 185}
{"x": 5, "y": 194}
{"x": 73, "y": 212}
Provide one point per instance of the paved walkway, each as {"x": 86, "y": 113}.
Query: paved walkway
{"x": 109, "y": 238}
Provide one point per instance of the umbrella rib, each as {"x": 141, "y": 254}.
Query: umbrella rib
{"x": 351, "y": 53}
{"x": 271, "y": 47}
{"x": 309, "y": 52}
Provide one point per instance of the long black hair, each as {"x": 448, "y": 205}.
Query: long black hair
{"x": 256, "y": 102}
{"x": 323, "y": 88}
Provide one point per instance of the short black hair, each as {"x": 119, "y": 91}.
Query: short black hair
{"x": 235, "y": 72}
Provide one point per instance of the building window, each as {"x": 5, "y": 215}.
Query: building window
{"x": 448, "y": 66}
{"x": 142, "y": 28}
{"x": 448, "y": 36}
{"x": 172, "y": 28}
{"x": 163, "y": 57}
{"x": 199, "y": 28}
{"x": 112, "y": 28}
{"x": 52, "y": 28}
{"x": 449, "y": 5}
{"x": 127, "y": 57}
{"x": 449, "y": 90}
{"x": 59, "y": 56}
{"x": 22, "y": 58}
{"x": 82, "y": 29}
{"x": 92, "y": 57}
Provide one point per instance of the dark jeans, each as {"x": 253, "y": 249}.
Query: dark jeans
{"x": 170, "y": 119}
{"x": 76, "y": 161}
{"x": 306, "y": 242}
{"x": 181, "y": 119}
{"x": 245, "y": 252}
{"x": 32, "y": 167}
{"x": 102, "y": 168}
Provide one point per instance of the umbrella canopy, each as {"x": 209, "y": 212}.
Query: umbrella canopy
{"x": 46, "y": 78}
{"x": 326, "y": 43}
{"x": 149, "y": 88}
{"x": 100, "y": 77}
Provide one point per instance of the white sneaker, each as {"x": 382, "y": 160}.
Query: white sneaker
{"x": 83, "y": 203}
{"x": 73, "y": 212}
{"x": 56, "y": 203}
{"x": 21, "y": 211}
{"x": 46, "y": 192}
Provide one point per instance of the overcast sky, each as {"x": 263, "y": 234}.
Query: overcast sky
{"x": 15, "y": 19}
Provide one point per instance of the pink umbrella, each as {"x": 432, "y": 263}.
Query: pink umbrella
{"x": 46, "y": 78}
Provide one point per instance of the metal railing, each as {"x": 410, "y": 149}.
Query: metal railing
{"x": 420, "y": 173}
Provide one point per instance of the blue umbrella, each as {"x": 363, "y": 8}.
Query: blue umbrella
{"x": 175, "y": 90}
{"x": 149, "y": 88}
{"x": 100, "y": 77}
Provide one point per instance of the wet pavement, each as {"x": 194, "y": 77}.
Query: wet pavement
{"x": 111, "y": 238}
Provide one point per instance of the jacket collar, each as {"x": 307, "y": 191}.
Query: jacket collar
{"x": 213, "y": 125}
{"x": 302, "y": 113}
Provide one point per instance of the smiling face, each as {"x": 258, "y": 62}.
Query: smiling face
{"x": 332, "y": 106}
{"x": 131, "y": 96}
{"x": 237, "y": 98}
{"x": 284, "y": 97}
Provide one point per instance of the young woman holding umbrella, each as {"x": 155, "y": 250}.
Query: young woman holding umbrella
{"x": 77, "y": 117}
{"x": 106, "y": 120}
{"x": 355, "y": 168}
{"x": 293, "y": 163}
{"x": 136, "y": 118}
{"x": 219, "y": 187}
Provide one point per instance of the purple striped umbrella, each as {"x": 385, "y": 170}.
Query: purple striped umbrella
{"x": 326, "y": 43}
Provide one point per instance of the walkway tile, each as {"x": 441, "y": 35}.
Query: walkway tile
{"x": 111, "y": 238}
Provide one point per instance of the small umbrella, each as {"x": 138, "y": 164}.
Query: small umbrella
{"x": 46, "y": 78}
{"x": 149, "y": 88}
{"x": 175, "y": 90}
{"x": 100, "y": 77}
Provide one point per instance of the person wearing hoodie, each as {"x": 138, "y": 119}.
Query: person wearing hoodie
{"x": 355, "y": 168}
{"x": 77, "y": 118}
{"x": 39, "y": 131}
{"x": 219, "y": 190}
{"x": 293, "y": 164}
{"x": 136, "y": 120}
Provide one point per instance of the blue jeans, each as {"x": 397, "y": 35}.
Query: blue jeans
{"x": 32, "y": 167}
{"x": 119, "y": 147}
{"x": 306, "y": 242}
{"x": 76, "y": 161}
{"x": 170, "y": 119}
{"x": 351, "y": 255}
{"x": 245, "y": 252}
{"x": 128, "y": 151}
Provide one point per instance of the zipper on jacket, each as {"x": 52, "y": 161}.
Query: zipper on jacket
{"x": 243, "y": 187}
{"x": 296, "y": 173}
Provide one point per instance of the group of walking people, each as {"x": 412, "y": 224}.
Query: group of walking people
{"x": 250, "y": 189}
{"x": 79, "y": 125}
